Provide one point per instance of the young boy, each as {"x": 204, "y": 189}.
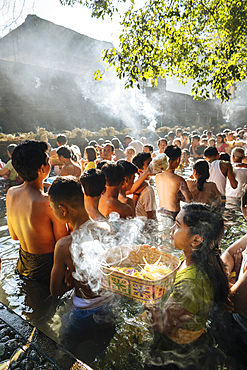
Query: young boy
{"x": 145, "y": 203}
{"x": 93, "y": 183}
{"x": 30, "y": 219}
{"x": 129, "y": 176}
{"x": 67, "y": 202}
{"x": 109, "y": 202}
{"x": 170, "y": 185}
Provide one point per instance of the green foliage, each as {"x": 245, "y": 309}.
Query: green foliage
{"x": 203, "y": 40}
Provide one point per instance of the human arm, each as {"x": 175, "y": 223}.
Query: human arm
{"x": 4, "y": 171}
{"x": 137, "y": 184}
{"x": 170, "y": 318}
{"x": 228, "y": 256}
{"x": 228, "y": 170}
{"x": 185, "y": 191}
{"x": 59, "y": 280}
{"x": 8, "y": 207}
{"x": 238, "y": 294}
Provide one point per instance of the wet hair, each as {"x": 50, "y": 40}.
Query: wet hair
{"x": 173, "y": 152}
{"x": 93, "y": 182}
{"x": 102, "y": 163}
{"x": 211, "y": 151}
{"x": 61, "y": 139}
{"x": 129, "y": 168}
{"x": 185, "y": 133}
{"x": 67, "y": 189}
{"x": 224, "y": 157}
{"x": 204, "y": 221}
{"x": 114, "y": 173}
{"x": 10, "y": 148}
{"x": 66, "y": 152}
{"x": 161, "y": 139}
{"x": 202, "y": 168}
{"x": 149, "y": 146}
{"x": 91, "y": 153}
{"x": 28, "y": 157}
{"x": 140, "y": 158}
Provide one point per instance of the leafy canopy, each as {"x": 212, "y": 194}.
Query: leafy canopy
{"x": 202, "y": 40}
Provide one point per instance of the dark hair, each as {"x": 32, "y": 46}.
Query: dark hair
{"x": 185, "y": 133}
{"x": 102, "y": 163}
{"x": 28, "y": 157}
{"x": 116, "y": 142}
{"x": 114, "y": 173}
{"x": 61, "y": 139}
{"x": 129, "y": 168}
{"x": 111, "y": 145}
{"x": 10, "y": 148}
{"x": 91, "y": 153}
{"x": 225, "y": 157}
{"x": 93, "y": 143}
{"x": 203, "y": 220}
{"x": 197, "y": 137}
{"x": 161, "y": 139}
{"x": 202, "y": 168}
{"x": 67, "y": 189}
{"x": 66, "y": 152}
{"x": 211, "y": 151}
{"x": 222, "y": 137}
{"x": 149, "y": 146}
{"x": 93, "y": 182}
{"x": 173, "y": 152}
{"x": 171, "y": 134}
{"x": 140, "y": 158}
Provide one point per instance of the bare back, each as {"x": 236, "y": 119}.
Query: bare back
{"x": 109, "y": 204}
{"x": 31, "y": 220}
{"x": 209, "y": 194}
{"x": 169, "y": 186}
{"x": 72, "y": 169}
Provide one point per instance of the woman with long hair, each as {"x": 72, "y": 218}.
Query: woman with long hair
{"x": 90, "y": 156}
{"x": 201, "y": 279}
{"x": 201, "y": 190}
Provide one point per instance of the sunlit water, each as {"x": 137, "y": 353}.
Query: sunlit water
{"x": 130, "y": 345}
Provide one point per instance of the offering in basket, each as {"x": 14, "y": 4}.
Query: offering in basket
{"x": 159, "y": 163}
{"x": 145, "y": 275}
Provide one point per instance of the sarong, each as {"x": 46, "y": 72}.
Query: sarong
{"x": 35, "y": 266}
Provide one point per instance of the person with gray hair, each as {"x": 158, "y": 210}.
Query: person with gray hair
{"x": 233, "y": 196}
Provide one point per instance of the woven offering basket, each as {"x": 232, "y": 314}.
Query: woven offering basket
{"x": 146, "y": 291}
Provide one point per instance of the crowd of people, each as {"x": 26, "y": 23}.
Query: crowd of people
{"x": 110, "y": 176}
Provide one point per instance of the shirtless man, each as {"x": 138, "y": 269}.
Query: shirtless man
{"x": 93, "y": 183}
{"x": 30, "y": 219}
{"x": 170, "y": 185}
{"x": 130, "y": 171}
{"x": 68, "y": 158}
{"x": 109, "y": 202}
{"x": 67, "y": 202}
